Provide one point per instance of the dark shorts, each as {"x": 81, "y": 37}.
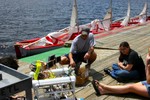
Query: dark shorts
{"x": 78, "y": 57}
{"x": 147, "y": 86}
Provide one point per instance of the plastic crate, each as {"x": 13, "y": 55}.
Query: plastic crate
{"x": 60, "y": 87}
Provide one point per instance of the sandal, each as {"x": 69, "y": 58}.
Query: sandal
{"x": 107, "y": 71}
{"x": 16, "y": 97}
{"x": 96, "y": 87}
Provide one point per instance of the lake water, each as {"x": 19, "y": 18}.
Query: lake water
{"x": 27, "y": 19}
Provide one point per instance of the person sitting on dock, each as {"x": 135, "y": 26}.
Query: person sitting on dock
{"x": 11, "y": 62}
{"x": 141, "y": 88}
{"x": 130, "y": 65}
{"x": 82, "y": 50}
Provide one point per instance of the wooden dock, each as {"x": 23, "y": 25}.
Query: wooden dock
{"x": 139, "y": 40}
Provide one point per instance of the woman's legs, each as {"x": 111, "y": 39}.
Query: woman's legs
{"x": 137, "y": 88}
{"x": 126, "y": 75}
{"x": 123, "y": 75}
{"x": 115, "y": 67}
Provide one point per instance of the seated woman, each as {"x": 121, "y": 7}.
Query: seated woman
{"x": 141, "y": 88}
{"x": 130, "y": 64}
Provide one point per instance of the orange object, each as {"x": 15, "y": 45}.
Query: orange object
{"x": 82, "y": 77}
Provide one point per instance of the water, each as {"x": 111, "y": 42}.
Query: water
{"x": 26, "y": 19}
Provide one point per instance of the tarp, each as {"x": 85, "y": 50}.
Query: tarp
{"x": 44, "y": 56}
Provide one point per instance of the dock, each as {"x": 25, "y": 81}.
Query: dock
{"x": 138, "y": 36}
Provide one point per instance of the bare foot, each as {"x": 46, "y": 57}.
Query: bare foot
{"x": 101, "y": 87}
